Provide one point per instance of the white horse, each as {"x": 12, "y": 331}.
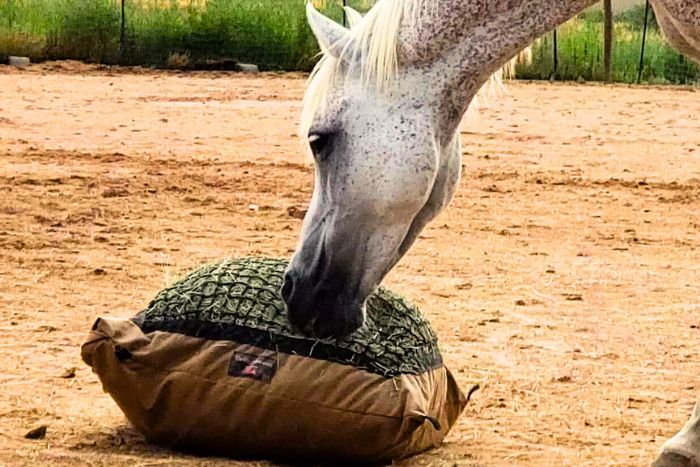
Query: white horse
{"x": 381, "y": 116}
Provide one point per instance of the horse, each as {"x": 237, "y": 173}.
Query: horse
{"x": 380, "y": 117}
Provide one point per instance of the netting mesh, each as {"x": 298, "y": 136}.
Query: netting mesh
{"x": 239, "y": 300}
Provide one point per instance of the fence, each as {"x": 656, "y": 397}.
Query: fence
{"x": 274, "y": 35}
{"x": 639, "y": 52}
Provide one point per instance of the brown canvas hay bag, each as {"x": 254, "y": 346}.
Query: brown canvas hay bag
{"x": 213, "y": 366}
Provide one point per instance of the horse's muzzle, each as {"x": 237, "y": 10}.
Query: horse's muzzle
{"x": 321, "y": 307}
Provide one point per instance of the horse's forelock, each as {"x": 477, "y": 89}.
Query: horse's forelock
{"x": 374, "y": 44}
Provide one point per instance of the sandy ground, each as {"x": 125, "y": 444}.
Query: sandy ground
{"x": 564, "y": 278}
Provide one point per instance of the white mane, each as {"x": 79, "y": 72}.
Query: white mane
{"x": 375, "y": 36}
{"x": 374, "y": 40}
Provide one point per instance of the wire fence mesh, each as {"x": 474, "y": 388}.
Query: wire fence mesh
{"x": 274, "y": 35}
{"x": 576, "y": 51}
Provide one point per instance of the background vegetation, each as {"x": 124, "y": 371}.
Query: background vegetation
{"x": 274, "y": 35}
{"x": 580, "y": 43}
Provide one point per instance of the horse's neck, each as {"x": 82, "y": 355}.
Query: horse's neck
{"x": 472, "y": 39}
{"x": 680, "y": 22}
{"x": 687, "y": 10}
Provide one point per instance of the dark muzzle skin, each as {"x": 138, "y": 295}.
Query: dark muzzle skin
{"x": 321, "y": 302}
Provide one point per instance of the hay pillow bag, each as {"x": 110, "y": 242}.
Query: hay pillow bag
{"x": 213, "y": 366}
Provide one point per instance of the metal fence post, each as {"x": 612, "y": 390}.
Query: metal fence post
{"x": 345, "y": 19}
{"x": 644, "y": 40}
{"x": 555, "y": 56}
{"x": 122, "y": 31}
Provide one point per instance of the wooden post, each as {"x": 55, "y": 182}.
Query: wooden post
{"x": 608, "y": 40}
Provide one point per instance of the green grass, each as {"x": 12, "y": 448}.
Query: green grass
{"x": 54, "y": 29}
{"x": 270, "y": 33}
{"x": 580, "y": 43}
{"x": 274, "y": 35}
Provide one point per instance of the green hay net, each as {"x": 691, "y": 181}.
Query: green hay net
{"x": 239, "y": 300}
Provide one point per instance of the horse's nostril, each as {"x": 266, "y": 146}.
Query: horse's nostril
{"x": 287, "y": 287}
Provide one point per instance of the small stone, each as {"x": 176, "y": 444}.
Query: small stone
{"x": 296, "y": 213}
{"x": 115, "y": 193}
{"x": 68, "y": 373}
{"x": 18, "y": 61}
{"x": 247, "y": 68}
{"x": 37, "y": 433}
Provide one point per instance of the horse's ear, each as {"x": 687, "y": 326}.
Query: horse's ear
{"x": 331, "y": 36}
{"x": 354, "y": 16}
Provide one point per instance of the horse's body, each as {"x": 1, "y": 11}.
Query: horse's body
{"x": 381, "y": 116}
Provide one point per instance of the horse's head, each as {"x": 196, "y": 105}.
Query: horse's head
{"x": 381, "y": 174}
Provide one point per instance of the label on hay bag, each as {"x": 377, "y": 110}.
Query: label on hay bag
{"x": 261, "y": 366}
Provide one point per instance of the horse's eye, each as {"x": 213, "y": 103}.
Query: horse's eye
{"x": 319, "y": 144}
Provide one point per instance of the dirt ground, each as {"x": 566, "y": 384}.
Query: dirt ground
{"x": 564, "y": 278}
